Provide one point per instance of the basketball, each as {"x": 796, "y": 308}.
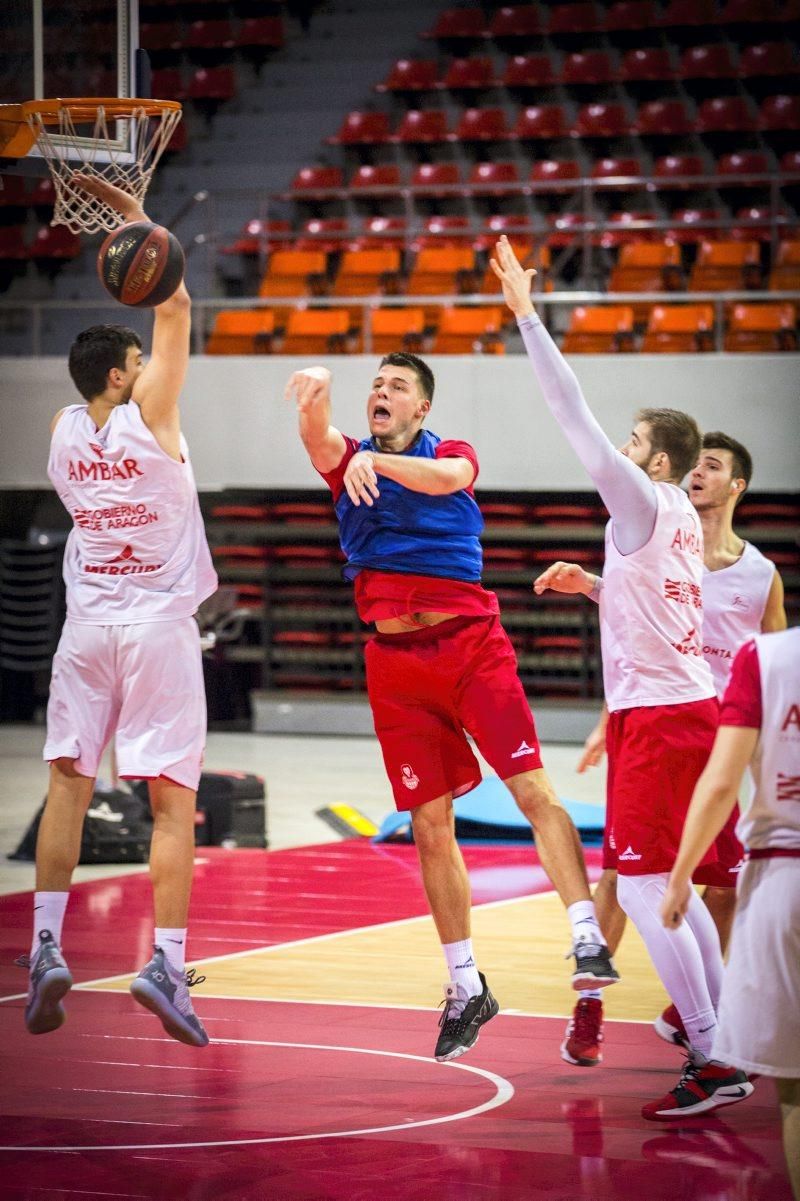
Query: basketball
{"x": 140, "y": 264}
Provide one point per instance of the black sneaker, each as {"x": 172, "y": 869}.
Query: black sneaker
{"x": 460, "y": 1032}
{"x": 50, "y": 980}
{"x": 165, "y": 993}
{"x": 594, "y": 967}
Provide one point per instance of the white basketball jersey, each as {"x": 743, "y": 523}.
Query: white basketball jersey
{"x": 772, "y": 816}
{"x": 734, "y": 600}
{"x": 651, "y": 612}
{"x": 137, "y": 550}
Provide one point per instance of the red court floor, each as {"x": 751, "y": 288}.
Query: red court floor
{"x": 327, "y": 1102}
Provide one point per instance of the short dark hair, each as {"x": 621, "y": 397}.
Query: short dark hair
{"x": 93, "y": 354}
{"x": 676, "y": 434}
{"x": 742, "y": 462}
{"x": 402, "y": 358}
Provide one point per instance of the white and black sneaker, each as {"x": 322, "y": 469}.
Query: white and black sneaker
{"x": 462, "y": 1018}
{"x": 594, "y": 967}
{"x": 165, "y": 993}
{"x": 50, "y": 979}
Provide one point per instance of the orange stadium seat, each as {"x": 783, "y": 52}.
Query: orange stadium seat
{"x": 469, "y": 330}
{"x": 679, "y": 329}
{"x": 367, "y": 272}
{"x": 762, "y": 328}
{"x": 397, "y": 329}
{"x": 316, "y": 331}
{"x": 599, "y": 330}
{"x": 642, "y": 266}
{"x": 242, "y": 331}
{"x": 294, "y": 273}
{"x": 725, "y": 266}
{"x": 436, "y": 268}
{"x": 785, "y": 273}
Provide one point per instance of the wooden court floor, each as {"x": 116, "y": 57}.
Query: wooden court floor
{"x": 323, "y": 976}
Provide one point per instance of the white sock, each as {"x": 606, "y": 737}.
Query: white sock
{"x": 461, "y": 966}
{"x": 677, "y": 956}
{"x": 173, "y": 944}
{"x": 584, "y": 923}
{"x": 48, "y": 914}
{"x": 591, "y": 994}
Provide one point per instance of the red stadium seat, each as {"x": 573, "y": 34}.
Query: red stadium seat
{"x": 317, "y": 179}
{"x": 458, "y": 24}
{"x": 694, "y": 225}
{"x": 435, "y": 179}
{"x": 740, "y": 166}
{"x": 768, "y": 58}
{"x": 740, "y": 12}
{"x": 780, "y": 112}
{"x": 12, "y": 244}
{"x": 579, "y": 16}
{"x": 529, "y": 71}
{"x": 670, "y": 169}
{"x": 327, "y": 234}
{"x": 12, "y": 192}
{"x": 384, "y": 231}
{"x": 265, "y": 32}
{"x": 210, "y": 35}
{"x": 757, "y": 223}
{"x": 790, "y": 162}
{"x": 469, "y": 74}
{"x": 54, "y": 242}
{"x": 566, "y": 229}
{"x": 645, "y": 63}
{"x": 259, "y": 237}
{"x": 481, "y": 125}
{"x": 411, "y": 75}
{"x": 367, "y": 178}
{"x": 541, "y": 121}
{"x": 689, "y": 12}
{"x": 483, "y": 176}
{"x": 516, "y": 226}
{"x": 609, "y": 168}
{"x": 707, "y": 62}
{"x": 167, "y": 82}
{"x": 362, "y": 128}
{"x": 444, "y": 229}
{"x": 625, "y": 227}
{"x": 422, "y": 126}
{"x": 587, "y": 67}
{"x": 517, "y": 21}
{"x": 663, "y": 117}
{"x": 217, "y": 84}
{"x": 160, "y": 35}
{"x": 551, "y": 171}
{"x": 605, "y": 120}
{"x": 723, "y": 114}
{"x": 631, "y": 14}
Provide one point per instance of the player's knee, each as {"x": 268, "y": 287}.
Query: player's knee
{"x": 535, "y": 800}
{"x": 65, "y": 767}
{"x": 431, "y": 837}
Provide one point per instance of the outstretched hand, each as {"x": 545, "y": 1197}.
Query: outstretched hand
{"x": 564, "y": 577}
{"x": 127, "y": 205}
{"x": 515, "y": 279}
{"x": 309, "y": 387}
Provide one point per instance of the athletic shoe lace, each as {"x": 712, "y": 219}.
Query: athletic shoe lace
{"x": 452, "y": 1026}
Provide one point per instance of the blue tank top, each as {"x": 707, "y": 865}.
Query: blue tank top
{"x": 409, "y": 532}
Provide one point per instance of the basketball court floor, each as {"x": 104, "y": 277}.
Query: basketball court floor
{"x": 322, "y": 978}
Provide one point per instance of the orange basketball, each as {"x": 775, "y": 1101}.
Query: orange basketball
{"x": 140, "y": 264}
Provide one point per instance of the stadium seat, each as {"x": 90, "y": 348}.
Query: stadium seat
{"x": 739, "y": 12}
{"x": 762, "y": 328}
{"x": 624, "y": 227}
{"x": 396, "y": 329}
{"x": 528, "y": 253}
{"x": 671, "y": 169}
{"x": 607, "y": 169}
{"x": 316, "y": 331}
{"x": 383, "y": 231}
{"x": 366, "y": 179}
{"x": 158, "y": 36}
{"x": 785, "y": 273}
{"x": 167, "y": 82}
{"x": 481, "y": 125}
{"x": 529, "y": 71}
{"x": 516, "y": 226}
{"x": 645, "y": 64}
{"x": 553, "y": 171}
{"x": 422, "y": 126}
{"x": 435, "y": 179}
{"x": 604, "y": 120}
{"x": 541, "y": 121}
{"x": 210, "y": 35}
{"x": 725, "y": 266}
{"x": 326, "y": 234}
{"x": 411, "y": 75}
{"x": 318, "y": 179}
{"x": 242, "y": 331}
{"x": 601, "y": 330}
{"x": 757, "y": 222}
{"x": 694, "y": 225}
{"x": 458, "y": 24}
{"x": 469, "y": 74}
{"x": 259, "y": 237}
{"x": 646, "y": 267}
{"x": 444, "y": 229}
{"x": 54, "y": 243}
{"x": 12, "y": 244}
{"x": 367, "y": 272}
{"x": 469, "y": 330}
{"x": 294, "y": 273}
{"x": 679, "y": 329}
{"x": 587, "y": 67}
{"x": 565, "y": 229}
{"x": 689, "y": 12}
{"x": 657, "y": 118}
{"x": 494, "y": 179}
{"x": 725, "y": 114}
{"x": 768, "y": 59}
{"x": 579, "y": 16}
{"x": 625, "y": 15}
{"x": 362, "y": 129}
{"x": 12, "y": 192}
{"x": 436, "y": 268}
{"x": 517, "y": 21}
{"x": 739, "y": 168}
{"x": 712, "y": 61}
{"x": 779, "y": 112}
{"x": 215, "y": 85}
{"x": 261, "y": 32}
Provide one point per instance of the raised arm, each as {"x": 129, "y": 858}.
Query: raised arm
{"x": 626, "y": 490}
{"x": 434, "y": 477}
{"x": 158, "y": 388}
{"x": 311, "y": 389}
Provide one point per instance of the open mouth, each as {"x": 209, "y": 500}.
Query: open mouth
{"x": 380, "y": 413}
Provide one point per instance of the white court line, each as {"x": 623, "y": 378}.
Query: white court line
{"x": 504, "y": 1091}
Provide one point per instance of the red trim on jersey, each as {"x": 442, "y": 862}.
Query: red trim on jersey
{"x": 447, "y": 449}
{"x": 741, "y": 704}
{"x": 773, "y": 853}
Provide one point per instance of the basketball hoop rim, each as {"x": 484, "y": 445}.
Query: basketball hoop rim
{"x": 85, "y": 108}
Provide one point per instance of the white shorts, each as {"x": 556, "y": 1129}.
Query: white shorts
{"x": 141, "y": 684}
{"x": 759, "y": 1015}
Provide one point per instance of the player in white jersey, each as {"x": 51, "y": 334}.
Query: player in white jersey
{"x": 136, "y": 567}
{"x": 759, "y": 1014}
{"x": 659, "y": 689}
{"x": 742, "y": 596}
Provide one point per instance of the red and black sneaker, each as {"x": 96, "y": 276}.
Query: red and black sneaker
{"x": 698, "y": 1090}
{"x": 584, "y": 1035}
{"x": 668, "y": 1025}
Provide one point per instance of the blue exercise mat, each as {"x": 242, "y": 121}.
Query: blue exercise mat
{"x": 489, "y": 813}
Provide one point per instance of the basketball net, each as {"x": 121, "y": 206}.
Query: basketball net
{"x": 147, "y": 126}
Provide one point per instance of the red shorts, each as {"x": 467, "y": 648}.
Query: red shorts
{"x": 655, "y": 757}
{"x": 429, "y": 688}
{"x": 730, "y": 857}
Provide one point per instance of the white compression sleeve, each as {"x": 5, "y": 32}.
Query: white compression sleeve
{"x": 626, "y": 490}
